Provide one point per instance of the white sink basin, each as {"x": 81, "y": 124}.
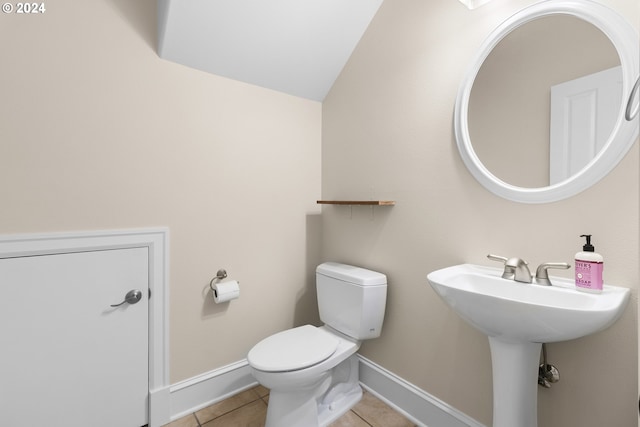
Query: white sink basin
{"x": 518, "y": 317}
{"x": 514, "y": 311}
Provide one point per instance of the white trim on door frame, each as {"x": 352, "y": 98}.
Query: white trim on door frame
{"x": 157, "y": 241}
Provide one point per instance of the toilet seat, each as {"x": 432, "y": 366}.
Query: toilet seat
{"x": 293, "y": 349}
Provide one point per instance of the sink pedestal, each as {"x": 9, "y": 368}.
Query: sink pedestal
{"x": 515, "y": 382}
{"x": 517, "y": 318}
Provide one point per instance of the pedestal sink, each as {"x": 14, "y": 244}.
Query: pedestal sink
{"x": 518, "y": 318}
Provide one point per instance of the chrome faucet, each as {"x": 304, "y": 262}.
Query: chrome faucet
{"x": 514, "y": 268}
{"x": 518, "y": 270}
{"x": 542, "y": 276}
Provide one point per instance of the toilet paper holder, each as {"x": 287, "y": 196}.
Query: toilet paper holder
{"x": 224, "y": 292}
{"x": 220, "y": 274}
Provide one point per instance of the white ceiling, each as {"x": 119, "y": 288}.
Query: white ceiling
{"x": 294, "y": 46}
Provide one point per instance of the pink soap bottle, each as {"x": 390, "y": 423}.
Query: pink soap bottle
{"x": 589, "y": 266}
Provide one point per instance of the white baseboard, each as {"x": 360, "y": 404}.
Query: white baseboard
{"x": 417, "y": 405}
{"x": 414, "y": 403}
{"x": 195, "y": 393}
{"x": 159, "y": 407}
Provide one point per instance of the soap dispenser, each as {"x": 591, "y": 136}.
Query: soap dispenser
{"x": 589, "y": 266}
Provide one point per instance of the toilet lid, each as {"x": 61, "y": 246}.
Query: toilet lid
{"x": 293, "y": 349}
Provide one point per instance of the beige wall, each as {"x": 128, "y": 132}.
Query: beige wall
{"x": 388, "y": 134}
{"x": 97, "y": 132}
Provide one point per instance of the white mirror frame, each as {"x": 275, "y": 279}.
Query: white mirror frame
{"x": 624, "y": 38}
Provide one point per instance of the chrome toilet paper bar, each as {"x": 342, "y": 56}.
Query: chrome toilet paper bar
{"x": 224, "y": 291}
{"x": 220, "y": 274}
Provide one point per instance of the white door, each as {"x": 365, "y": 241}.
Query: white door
{"x": 583, "y": 114}
{"x": 66, "y": 357}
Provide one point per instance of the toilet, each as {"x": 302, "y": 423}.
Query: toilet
{"x": 312, "y": 372}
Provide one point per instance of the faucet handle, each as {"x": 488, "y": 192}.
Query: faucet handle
{"x": 508, "y": 273}
{"x": 492, "y": 257}
{"x": 512, "y": 267}
{"x": 542, "y": 275}
{"x": 509, "y": 262}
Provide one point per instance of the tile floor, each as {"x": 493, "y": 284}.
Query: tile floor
{"x": 249, "y": 409}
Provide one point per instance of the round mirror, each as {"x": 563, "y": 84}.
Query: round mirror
{"x": 540, "y": 115}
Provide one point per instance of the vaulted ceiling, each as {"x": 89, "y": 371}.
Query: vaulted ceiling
{"x": 294, "y": 46}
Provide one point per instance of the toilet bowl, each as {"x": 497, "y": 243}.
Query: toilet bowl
{"x": 307, "y": 391}
{"x": 312, "y": 372}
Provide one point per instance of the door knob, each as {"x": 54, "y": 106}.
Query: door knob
{"x": 132, "y": 297}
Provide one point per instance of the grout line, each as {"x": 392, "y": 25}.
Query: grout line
{"x": 232, "y": 410}
{"x": 257, "y": 397}
{"x": 365, "y": 421}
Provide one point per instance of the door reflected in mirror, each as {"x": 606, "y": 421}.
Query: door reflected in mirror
{"x": 511, "y": 116}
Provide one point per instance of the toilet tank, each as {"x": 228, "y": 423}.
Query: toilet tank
{"x": 351, "y": 299}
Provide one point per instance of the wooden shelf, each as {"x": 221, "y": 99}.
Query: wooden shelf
{"x": 357, "y": 202}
